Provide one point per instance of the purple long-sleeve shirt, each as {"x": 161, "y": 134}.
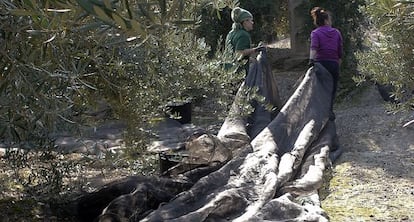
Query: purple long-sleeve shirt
{"x": 327, "y": 42}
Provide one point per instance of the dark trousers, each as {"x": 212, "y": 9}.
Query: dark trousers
{"x": 333, "y": 68}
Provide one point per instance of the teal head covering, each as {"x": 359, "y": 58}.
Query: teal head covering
{"x": 238, "y": 15}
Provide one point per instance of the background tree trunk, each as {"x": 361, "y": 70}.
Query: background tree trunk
{"x": 298, "y": 17}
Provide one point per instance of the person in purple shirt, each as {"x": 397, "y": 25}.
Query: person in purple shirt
{"x": 326, "y": 46}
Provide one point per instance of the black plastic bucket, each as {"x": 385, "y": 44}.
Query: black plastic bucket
{"x": 180, "y": 111}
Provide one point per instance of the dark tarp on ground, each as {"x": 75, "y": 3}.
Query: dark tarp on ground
{"x": 261, "y": 76}
{"x": 273, "y": 177}
{"x": 284, "y": 163}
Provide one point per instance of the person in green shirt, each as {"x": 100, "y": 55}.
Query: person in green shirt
{"x": 238, "y": 40}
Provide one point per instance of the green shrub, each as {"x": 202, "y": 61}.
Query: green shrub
{"x": 389, "y": 58}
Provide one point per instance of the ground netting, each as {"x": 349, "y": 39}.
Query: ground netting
{"x": 266, "y": 166}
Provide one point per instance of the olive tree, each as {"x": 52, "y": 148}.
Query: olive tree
{"x": 389, "y": 58}
{"x": 60, "y": 57}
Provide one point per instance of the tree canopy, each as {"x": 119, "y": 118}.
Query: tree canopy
{"x": 59, "y": 57}
{"x": 389, "y": 58}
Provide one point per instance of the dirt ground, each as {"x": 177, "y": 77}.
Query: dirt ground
{"x": 373, "y": 180}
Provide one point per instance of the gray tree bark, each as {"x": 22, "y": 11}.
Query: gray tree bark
{"x": 298, "y": 16}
